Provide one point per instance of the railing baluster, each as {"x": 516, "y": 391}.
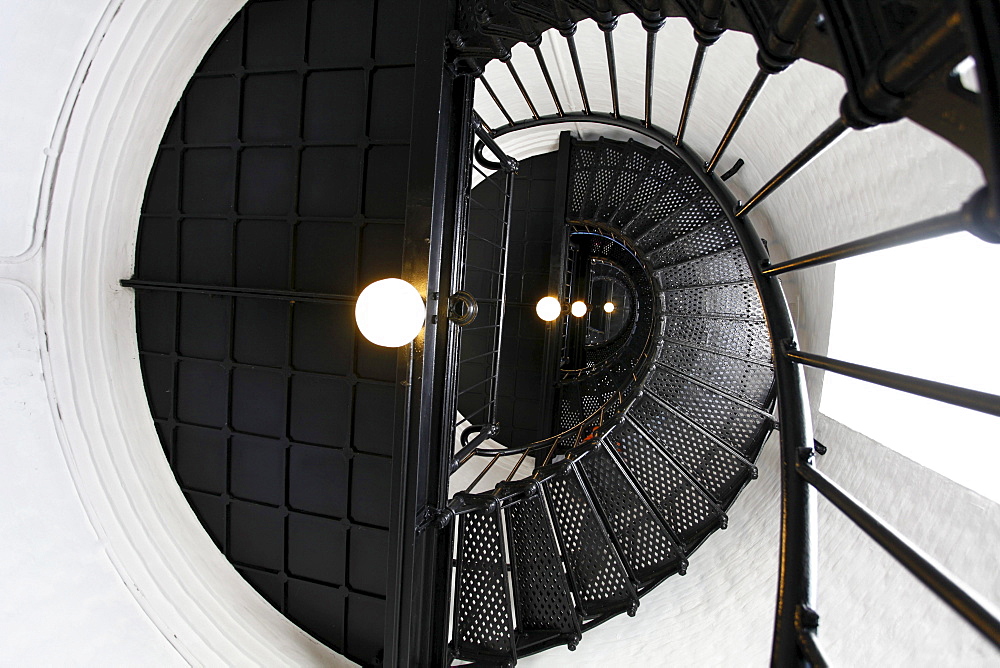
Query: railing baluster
{"x": 982, "y": 402}
{"x": 815, "y": 147}
{"x": 949, "y": 223}
{"x": 966, "y": 603}
{"x": 482, "y": 473}
{"x": 699, "y": 58}
{"x": 650, "y": 59}
{"x": 520, "y": 86}
{"x": 537, "y": 48}
{"x": 569, "y": 34}
{"x": 741, "y": 112}
{"x": 609, "y": 50}
{"x": 489, "y": 89}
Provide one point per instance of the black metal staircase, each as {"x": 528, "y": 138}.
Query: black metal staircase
{"x": 607, "y": 515}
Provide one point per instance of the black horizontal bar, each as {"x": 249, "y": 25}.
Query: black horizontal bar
{"x": 966, "y": 603}
{"x": 949, "y": 394}
{"x": 232, "y": 291}
{"x": 949, "y": 223}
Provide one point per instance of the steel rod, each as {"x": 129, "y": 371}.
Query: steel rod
{"x": 482, "y": 473}
{"x": 650, "y": 59}
{"x": 973, "y": 608}
{"x": 810, "y": 152}
{"x": 578, "y": 70}
{"x": 489, "y": 89}
{"x": 609, "y": 49}
{"x": 948, "y": 223}
{"x": 982, "y": 402}
{"x": 501, "y": 295}
{"x": 699, "y": 59}
{"x": 548, "y": 78}
{"x": 741, "y": 112}
{"x": 520, "y": 87}
{"x": 232, "y": 291}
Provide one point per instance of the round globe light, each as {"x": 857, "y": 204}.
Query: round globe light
{"x": 548, "y": 308}
{"x": 390, "y": 312}
{"x": 609, "y": 307}
{"x": 579, "y": 309}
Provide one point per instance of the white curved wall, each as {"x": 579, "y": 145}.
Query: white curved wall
{"x": 109, "y": 564}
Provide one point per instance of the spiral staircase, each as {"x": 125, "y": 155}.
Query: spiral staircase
{"x": 672, "y": 422}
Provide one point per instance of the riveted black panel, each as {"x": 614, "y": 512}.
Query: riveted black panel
{"x": 276, "y": 195}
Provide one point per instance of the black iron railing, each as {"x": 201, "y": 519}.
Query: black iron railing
{"x": 884, "y": 72}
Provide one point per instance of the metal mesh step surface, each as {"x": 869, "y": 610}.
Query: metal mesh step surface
{"x": 583, "y": 159}
{"x": 709, "y": 239}
{"x": 749, "y": 340}
{"x": 732, "y": 299}
{"x": 725, "y": 419}
{"x": 483, "y": 625}
{"x": 541, "y": 591}
{"x": 687, "y": 510}
{"x": 749, "y": 380}
{"x": 610, "y": 159}
{"x": 595, "y": 570}
{"x": 728, "y": 266}
{"x": 634, "y": 166}
{"x": 663, "y": 171}
{"x": 719, "y": 472}
{"x": 644, "y": 542}
{"x": 689, "y": 218}
{"x": 672, "y": 197}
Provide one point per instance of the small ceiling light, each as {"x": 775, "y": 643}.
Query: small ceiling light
{"x": 579, "y": 309}
{"x": 609, "y": 307}
{"x": 390, "y": 312}
{"x": 548, "y": 308}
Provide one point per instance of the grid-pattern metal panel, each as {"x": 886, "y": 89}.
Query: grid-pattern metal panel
{"x": 734, "y": 299}
{"x": 282, "y": 175}
{"x": 709, "y": 239}
{"x": 635, "y": 165}
{"x": 596, "y": 572}
{"x": 748, "y": 339}
{"x": 686, "y": 508}
{"x": 737, "y": 425}
{"x": 663, "y": 170}
{"x": 728, "y": 266}
{"x": 671, "y": 198}
{"x": 584, "y": 156}
{"x": 715, "y": 468}
{"x": 748, "y": 380}
{"x": 541, "y": 590}
{"x": 645, "y": 544}
{"x": 483, "y": 625}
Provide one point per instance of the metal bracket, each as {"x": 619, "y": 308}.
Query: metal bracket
{"x": 462, "y": 308}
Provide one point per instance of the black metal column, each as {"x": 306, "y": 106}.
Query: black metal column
{"x": 418, "y": 592}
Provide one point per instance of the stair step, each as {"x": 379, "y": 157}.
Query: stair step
{"x": 671, "y": 198}
{"x": 483, "y": 624}
{"x": 727, "y": 266}
{"x": 747, "y": 380}
{"x": 663, "y": 170}
{"x": 610, "y": 160}
{"x": 696, "y": 213}
{"x": 689, "y": 512}
{"x": 595, "y": 570}
{"x": 644, "y": 541}
{"x": 748, "y": 340}
{"x": 541, "y": 592}
{"x": 719, "y": 470}
{"x": 711, "y": 238}
{"x": 732, "y": 299}
{"x": 739, "y": 426}
{"x": 582, "y": 162}
{"x": 634, "y": 167}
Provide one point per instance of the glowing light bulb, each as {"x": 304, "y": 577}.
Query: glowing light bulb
{"x": 390, "y": 312}
{"x": 579, "y": 309}
{"x": 609, "y": 307}
{"x": 548, "y": 308}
